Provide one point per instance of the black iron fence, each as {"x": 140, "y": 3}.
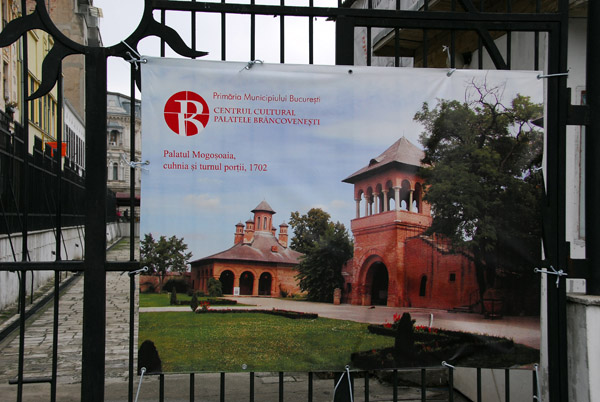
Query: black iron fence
{"x": 466, "y": 27}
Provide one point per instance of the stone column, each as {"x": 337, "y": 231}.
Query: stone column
{"x": 357, "y": 200}
{"x": 397, "y": 199}
{"x": 366, "y": 205}
{"x": 385, "y": 200}
{"x": 376, "y": 203}
{"x": 410, "y": 200}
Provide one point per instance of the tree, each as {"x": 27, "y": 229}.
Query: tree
{"x": 483, "y": 179}
{"x": 164, "y": 255}
{"x": 308, "y": 228}
{"x": 326, "y": 247}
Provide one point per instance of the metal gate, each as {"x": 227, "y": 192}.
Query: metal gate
{"x": 435, "y": 20}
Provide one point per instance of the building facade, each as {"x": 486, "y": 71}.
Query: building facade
{"x": 118, "y": 139}
{"x": 260, "y": 263}
{"x": 395, "y": 263}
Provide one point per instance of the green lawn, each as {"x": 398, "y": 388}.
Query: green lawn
{"x": 160, "y": 299}
{"x": 214, "y": 342}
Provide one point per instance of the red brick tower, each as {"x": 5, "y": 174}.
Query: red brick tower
{"x": 394, "y": 264}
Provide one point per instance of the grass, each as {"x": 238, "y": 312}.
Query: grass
{"x": 161, "y": 299}
{"x": 224, "y": 342}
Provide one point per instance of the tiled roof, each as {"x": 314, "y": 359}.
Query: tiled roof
{"x": 259, "y": 250}
{"x": 402, "y": 151}
{"x": 263, "y": 207}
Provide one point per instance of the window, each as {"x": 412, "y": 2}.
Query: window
{"x": 452, "y": 277}
{"x": 423, "y": 287}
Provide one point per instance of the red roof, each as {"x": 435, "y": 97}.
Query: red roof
{"x": 260, "y": 249}
{"x": 401, "y": 152}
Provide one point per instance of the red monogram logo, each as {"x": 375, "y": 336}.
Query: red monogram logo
{"x": 186, "y": 113}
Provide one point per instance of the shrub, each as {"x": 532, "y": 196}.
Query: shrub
{"x": 201, "y": 293}
{"x": 179, "y": 285}
{"x": 283, "y": 292}
{"x": 215, "y": 289}
{"x": 194, "y": 302}
{"x": 173, "y": 300}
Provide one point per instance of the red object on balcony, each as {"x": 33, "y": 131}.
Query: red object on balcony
{"x": 53, "y": 145}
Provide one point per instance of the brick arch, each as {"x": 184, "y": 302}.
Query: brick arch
{"x": 365, "y": 276}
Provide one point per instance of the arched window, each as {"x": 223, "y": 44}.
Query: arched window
{"x": 115, "y": 171}
{"x": 423, "y": 287}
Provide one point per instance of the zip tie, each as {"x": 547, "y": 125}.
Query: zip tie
{"x": 538, "y": 397}
{"x": 540, "y": 76}
{"x": 135, "y": 164}
{"x": 138, "y": 271}
{"x": 347, "y": 373}
{"x": 143, "y": 370}
{"x": 447, "y": 50}
{"x": 558, "y": 273}
{"x": 448, "y": 365}
{"x": 251, "y": 64}
{"x": 132, "y": 59}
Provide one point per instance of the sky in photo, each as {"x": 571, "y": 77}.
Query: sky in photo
{"x": 360, "y": 114}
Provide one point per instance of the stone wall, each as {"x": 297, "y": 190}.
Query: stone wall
{"x": 42, "y": 245}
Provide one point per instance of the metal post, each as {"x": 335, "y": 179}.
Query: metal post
{"x": 94, "y": 287}
{"x": 592, "y": 146}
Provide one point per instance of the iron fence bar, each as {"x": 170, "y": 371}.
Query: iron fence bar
{"x": 132, "y": 158}
{"x": 222, "y": 389}
{"x": 94, "y": 296}
{"x": 366, "y": 386}
{"x": 282, "y": 34}
{"x": 311, "y": 38}
{"x": 224, "y": 34}
{"x": 592, "y": 144}
{"x": 450, "y": 384}
{"x": 193, "y": 30}
{"x": 396, "y": 41}
{"x": 478, "y": 384}
{"x": 22, "y": 318}
{"x": 252, "y": 34}
{"x": 251, "y": 386}
{"x": 554, "y": 225}
{"x": 332, "y": 12}
{"x": 369, "y": 38}
{"x": 423, "y": 385}
{"x": 506, "y": 385}
{"x": 161, "y": 388}
{"x": 192, "y": 386}
{"x": 395, "y": 385}
{"x": 310, "y": 387}
{"x": 131, "y": 336}
{"x": 55, "y": 337}
{"x": 22, "y": 207}
{"x": 163, "y": 22}
{"x": 281, "y": 386}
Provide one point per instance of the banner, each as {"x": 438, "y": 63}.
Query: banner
{"x": 313, "y": 217}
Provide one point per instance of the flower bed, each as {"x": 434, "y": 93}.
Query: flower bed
{"x": 283, "y": 313}
{"x": 431, "y": 346}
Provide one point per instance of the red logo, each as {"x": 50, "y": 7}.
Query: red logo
{"x": 186, "y": 113}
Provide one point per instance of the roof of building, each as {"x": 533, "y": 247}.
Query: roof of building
{"x": 263, "y": 207}
{"x": 264, "y": 247}
{"x": 402, "y": 151}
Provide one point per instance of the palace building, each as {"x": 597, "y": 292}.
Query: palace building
{"x": 394, "y": 263}
{"x": 259, "y": 263}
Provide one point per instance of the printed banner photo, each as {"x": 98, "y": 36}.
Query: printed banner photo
{"x": 303, "y": 218}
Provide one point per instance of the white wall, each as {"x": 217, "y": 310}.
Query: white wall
{"x": 42, "y": 245}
